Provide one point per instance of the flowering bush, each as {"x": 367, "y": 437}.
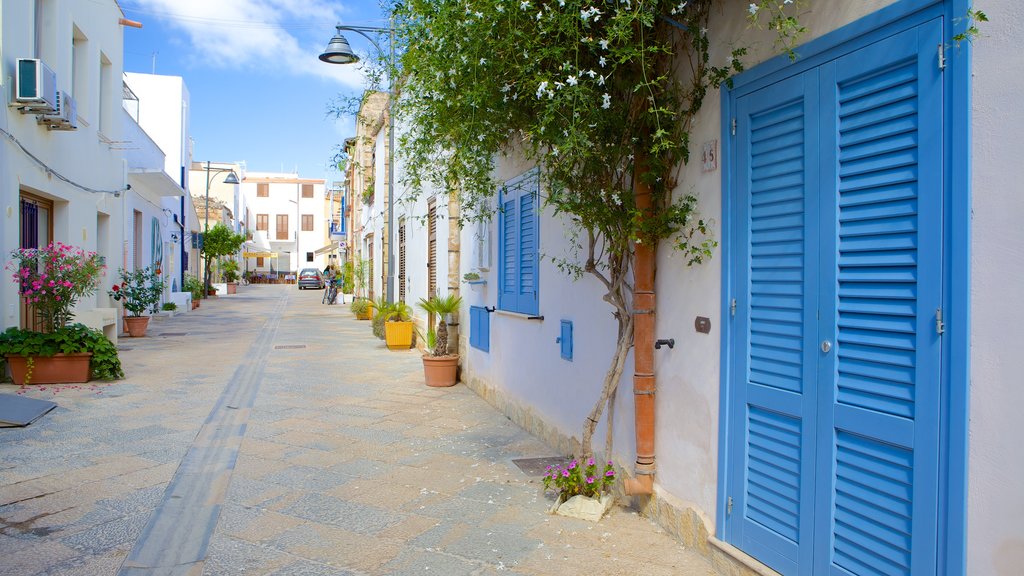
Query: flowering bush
{"x": 575, "y": 479}
{"x": 53, "y": 279}
{"x": 140, "y": 290}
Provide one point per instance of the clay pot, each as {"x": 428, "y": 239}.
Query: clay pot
{"x": 440, "y": 371}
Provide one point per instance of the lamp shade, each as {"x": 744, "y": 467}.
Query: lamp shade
{"x": 231, "y": 178}
{"x": 338, "y": 51}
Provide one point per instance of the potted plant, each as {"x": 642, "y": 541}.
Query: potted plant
{"x": 397, "y": 321}
{"x": 380, "y": 308}
{"x": 72, "y": 353}
{"x": 229, "y": 271}
{"x": 581, "y": 491}
{"x": 50, "y": 281}
{"x": 140, "y": 291}
{"x": 194, "y": 286}
{"x": 440, "y": 368}
{"x": 218, "y": 241}
{"x": 362, "y": 308}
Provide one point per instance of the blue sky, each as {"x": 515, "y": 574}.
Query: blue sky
{"x": 258, "y": 91}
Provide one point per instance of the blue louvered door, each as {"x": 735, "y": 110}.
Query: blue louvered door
{"x": 835, "y": 469}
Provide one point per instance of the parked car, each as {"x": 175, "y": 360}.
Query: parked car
{"x": 311, "y": 278}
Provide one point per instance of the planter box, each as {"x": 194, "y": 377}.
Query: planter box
{"x": 398, "y": 335}
{"x": 57, "y": 369}
{"x": 584, "y": 507}
{"x": 232, "y": 287}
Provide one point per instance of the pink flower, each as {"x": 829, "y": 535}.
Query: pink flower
{"x": 590, "y": 479}
{"x": 57, "y": 297}
{"x": 565, "y": 473}
{"x": 610, "y": 473}
{"x": 590, "y": 461}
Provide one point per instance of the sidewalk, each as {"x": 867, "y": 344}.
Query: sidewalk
{"x": 278, "y": 436}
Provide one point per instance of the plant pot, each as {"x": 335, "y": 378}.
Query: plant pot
{"x": 584, "y": 507}
{"x": 56, "y": 369}
{"x": 136, "y": 325}
{"x": 440, "y": 371}
{"x": 195, "y": 304}
{"x": 398, "y": 335}
{"x": 232, "y": 287}
{"x": 366, "y": 315}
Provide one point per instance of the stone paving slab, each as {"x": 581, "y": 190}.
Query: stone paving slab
{"x": 347, "y": 464}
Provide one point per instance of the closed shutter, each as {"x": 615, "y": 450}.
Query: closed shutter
{"x": 839, "y": 175}
{"x": 565, "y": 339}
{"x": 401, "y": 261}
{"x": 507, "y": 265}
{"x": 479, "y": 328}
{"x": 432, "y": 251}
{"x": 282, "y": 227}
{"x": 519, "y": 243}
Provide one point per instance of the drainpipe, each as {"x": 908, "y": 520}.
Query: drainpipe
{"x": 643, "y": 350}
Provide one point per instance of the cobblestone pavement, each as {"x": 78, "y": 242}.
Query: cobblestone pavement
{"x": 266, "y": 433}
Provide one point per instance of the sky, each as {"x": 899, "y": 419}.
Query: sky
{"x": 258, "y": 92}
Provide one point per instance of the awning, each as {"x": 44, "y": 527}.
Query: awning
{"x": 155, "y": 181}
{"x": 332, "y": 247}
{"x": 259, "y": 254}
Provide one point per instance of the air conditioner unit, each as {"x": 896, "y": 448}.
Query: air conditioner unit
{"x": 65, "y": 117}
{"x": 35, "y": 87}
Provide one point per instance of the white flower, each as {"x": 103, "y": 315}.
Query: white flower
{"x": 559, "y": 85}
{"x": 606, "y": 101}
{"x": 753, "y": 8}
{"x": 526, "y": 4}
{"x": 499, "y": 8}
{"x": 542, "y": 88}
{"x": 561, "y": 2}
{"x": 600, "y": 80}
{"x": 601, "y": 61}
{"x": 604, "y": 44}
{"x": 591, "y": 73}
{"x": 483, "y": 61}
{"x": 480, "y": 137}
{"x": 571, "y": 81}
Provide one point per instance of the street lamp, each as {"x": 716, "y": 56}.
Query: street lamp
{"x": 339, "y": 52}
{"x": 231, "y": 178}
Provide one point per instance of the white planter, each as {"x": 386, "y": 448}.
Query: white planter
{"x": 584, "y": 507}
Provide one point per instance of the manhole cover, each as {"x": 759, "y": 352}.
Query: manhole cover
{"x": 174, "y": 334}
{"x": 538, "y": 466}
{"x": 289, "y": 347}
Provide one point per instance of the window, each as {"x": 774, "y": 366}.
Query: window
{"x": 309, "y": 256}
{"x": 282, "y": 227}
{"x": 307, "y": 222}
{"x": 479, "y": 328}
{"x": 518, "y": 243}
{"x": 263, "y": 222}
{"x": 259, "y": 261}
{"x": 263, "y": 190}
{"x": 307, "y": 190}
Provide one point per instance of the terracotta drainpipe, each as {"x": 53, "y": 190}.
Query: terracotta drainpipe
{"x": 643, "y": 352}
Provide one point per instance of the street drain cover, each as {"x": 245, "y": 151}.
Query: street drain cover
{"x": 538, "y": 466}
{"x": 174, "y": 334}
{"x": 289, "y": 346}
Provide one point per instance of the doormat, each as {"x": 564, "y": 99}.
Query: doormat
{"x": 539, "y": 466}
{"x": 17, "y": 411}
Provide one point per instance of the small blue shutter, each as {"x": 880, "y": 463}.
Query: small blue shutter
{"x": 565, "y": 339}
{"x": 479, "y": 328}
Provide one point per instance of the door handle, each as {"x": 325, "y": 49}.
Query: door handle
{"x": 826, "y": 346}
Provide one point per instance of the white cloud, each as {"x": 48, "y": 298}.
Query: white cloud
{"x": 283, "y": 36}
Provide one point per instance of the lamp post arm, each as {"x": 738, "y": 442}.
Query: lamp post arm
{"x": 362, "y": 31}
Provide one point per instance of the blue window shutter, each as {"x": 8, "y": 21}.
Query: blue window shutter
{"x": 508, "y": 240}
{"x": 479, "y": 328}
{"x": 527, "y": 293}
{"x": 565, "y": 339}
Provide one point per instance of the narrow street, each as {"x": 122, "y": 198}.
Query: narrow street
{"x": 266, "y": 433}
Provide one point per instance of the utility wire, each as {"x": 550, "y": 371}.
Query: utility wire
{"x": 59, "y": 176}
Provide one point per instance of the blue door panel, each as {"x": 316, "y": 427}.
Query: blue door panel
{"x": 833, "y": 463}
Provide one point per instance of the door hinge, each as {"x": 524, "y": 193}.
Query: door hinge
{"x": 942, "y": 57}
{"x": 728, "y": 506}
{"x": 733, "y": 126}
{"x": 940, "y": 326}
{"x": 732, "y": 307}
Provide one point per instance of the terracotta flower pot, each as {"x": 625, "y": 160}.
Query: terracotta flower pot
{"x": 440, "y": 371}
{"x": 56, "y": 369}
{"x": 137, "y": 325}
{"x": 232, "y": 287}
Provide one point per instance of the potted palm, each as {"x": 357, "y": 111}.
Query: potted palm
{"x": 397, "y": 321}
{"x": 194, "y": 286}
{"x": 139, "y": 291}
{"x": 362, "y": 308}
{"x": 440, "y": 367}
{"x": 51, "y": 280}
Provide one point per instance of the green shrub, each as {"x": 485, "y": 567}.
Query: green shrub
{"x": 71, "y": 339}
{"x": 169, "y": 306}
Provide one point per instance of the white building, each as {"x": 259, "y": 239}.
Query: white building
{"x": 289, "y": 223}
{"x": 156, "y": 116}
{"x": 60, "y": 177}
{"x": 851, "y": 410}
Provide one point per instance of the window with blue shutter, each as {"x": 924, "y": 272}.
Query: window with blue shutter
{"x": 479, "y": 328}
{"x": 565, "y": 339}
{"x": 518, "y": 243}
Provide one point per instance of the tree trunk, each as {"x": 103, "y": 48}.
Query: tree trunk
{"x": 611, "y": 383}
{"x": 441, "y": 345}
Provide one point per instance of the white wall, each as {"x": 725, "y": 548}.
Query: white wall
{"x": 996, "y": 502}
{"x": 285, "y": 197}
{"x": 84, "y": 156}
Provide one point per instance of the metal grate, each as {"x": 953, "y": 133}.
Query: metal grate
{"x": 538, "y": 466}
{"x": 168, "y": 334}
{"x": 289, "y": 347}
